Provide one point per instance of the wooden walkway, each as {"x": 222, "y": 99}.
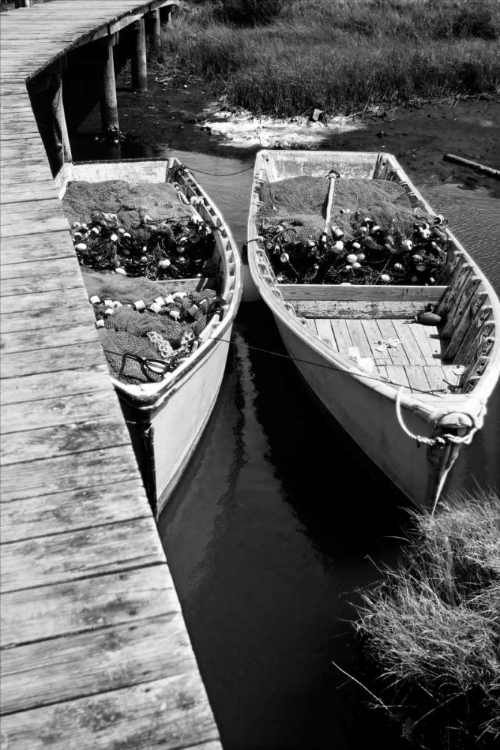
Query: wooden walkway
{"x": 95, "y": 652}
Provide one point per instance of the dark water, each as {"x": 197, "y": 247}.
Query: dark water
{"x": 277, "y": 524}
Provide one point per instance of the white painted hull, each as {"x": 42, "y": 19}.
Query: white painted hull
{"x": 369, "y": 417}
{"x": 366, "y": 405}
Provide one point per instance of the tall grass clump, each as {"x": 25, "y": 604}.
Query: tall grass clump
{"x": 339, "y": 56}
{"x": 432, "y": 628}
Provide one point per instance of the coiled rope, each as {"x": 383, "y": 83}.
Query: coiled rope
{"x": 441, "y": 439}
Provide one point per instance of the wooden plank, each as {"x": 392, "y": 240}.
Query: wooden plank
{"x": 360, "y": 293}
{"x": 18, "y": 193}
{"x": 427, "y": 338}
{"x": 373, "y": 336}
{"x": 381, "y": 370}
{"x": 20, "y": 218}
{"x": 37, "y": 674}
{"x": 48, "y": 338}
{"x": 342, "y": 335}
{"x": 101, "y": 601}
{"x": 164, "y": 714}
{"x": 64, "y": 512}
{"x": 63, "y": 473}
{"x": 397, "y": 375}
{"x": 357, "y": 310}
{"x": 61, "y": 558}
{"x": 311, "y": 325}
{"x": 33, "y": 248}
{"x": 75, "y": 357}
{"x": 483, "y": 313}
{"x": 417, "y": 378}
{"x": 32, "y": 320}
{"x": 324, "y": 331}
{"x": 67, "y": 383}
{"x": 25, "y": 445}
{"x": 436, "y": 377}
{"x": 412, "y": 350}
{"x": 396, "y": 353}
{"x": 466, "y": 321}
{"x": 359, "y": 338}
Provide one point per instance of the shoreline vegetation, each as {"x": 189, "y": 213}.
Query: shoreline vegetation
{"x": 431, "y": 628}
{"x": 287, "y": 58}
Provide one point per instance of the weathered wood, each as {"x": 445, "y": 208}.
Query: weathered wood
{"x": 63, "y": 473}
{"x": 67, "y": 267}
{"x": 75, "y": 357}
{"x": 358, "y": 337}
{"x": 427, "y": 338}
{"x": 460, "y": 331}
{"x": 490, "y": 171}
{"x": 324, "y": 331}
{"x": 361, "y": 293}
{"x": 32, "y": 320}
{"x": 37, "y": 674}
{"x": 48, "y": 338}
{"x": 357, "y": 310}
{"x": 436, "y": 377}
{"x": 397, "y": 375}
{"x": 483, "y": 313}
{"x": 110, "y": 125}
{"x": 73, "y": 510}
{"x": 166, "y": 714}
{"x": 417, "y": 378}
{"x": 36, "y": 614}
{"x": 342, "y": 335}
{"x": 396, "y": 353}
{"x": 67, "y": 383}
{"x": 32, "y": 248}
{"x": 410, "y": 346}
{"x": 373, "y": 336}
{"x": 444, "y": 303}
{"x": 139, "y": 60}
{"x": 462, "y": 301}
{"x": 16, "y": 303}
{"x": 42, "y": 561}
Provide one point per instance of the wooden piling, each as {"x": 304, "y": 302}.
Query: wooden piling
{"x": 22, "y": 3}
{"x": 153, "y": 27}
{"x": 110, "y": 125}
{"x": 166, "y": 15}
{"x": 139, "y": 62}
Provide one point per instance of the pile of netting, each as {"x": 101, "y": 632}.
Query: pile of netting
{"x": 374, "y": 235}
{"x": 145, "y": 229}
{"x": 145, "y": 330}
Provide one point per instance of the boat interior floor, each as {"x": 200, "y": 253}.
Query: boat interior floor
{"x": 401, "y": 351}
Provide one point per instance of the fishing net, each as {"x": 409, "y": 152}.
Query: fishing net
{"x": 138, "y": 230}
{"x": 147, "y": 323}
{"x": 374, "y": 235}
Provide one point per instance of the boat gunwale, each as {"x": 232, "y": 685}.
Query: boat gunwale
{"x": 426, "y": 401}
{"x": 150, "y": 396}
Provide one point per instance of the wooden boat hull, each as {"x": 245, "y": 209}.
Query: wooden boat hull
{"x": 412, "y": 435}
{"x": 166, "y": 420}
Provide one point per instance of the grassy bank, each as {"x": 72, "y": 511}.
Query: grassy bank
{"x": 432, "y": 627}
{"x": 340, "y": 55}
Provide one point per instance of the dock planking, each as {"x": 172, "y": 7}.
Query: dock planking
{"x": 95, "y": 651}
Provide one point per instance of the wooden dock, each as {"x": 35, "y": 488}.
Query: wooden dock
{"x": 94, "y": 648}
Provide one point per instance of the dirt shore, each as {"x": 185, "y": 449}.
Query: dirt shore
{"x": 176, "y": 115}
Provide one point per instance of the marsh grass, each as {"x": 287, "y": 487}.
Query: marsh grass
{"x": 432, "y": 627}
{"x": 340, "y": 56}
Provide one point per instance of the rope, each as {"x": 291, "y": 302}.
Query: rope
{"x": 214, "y": 174}
{"x": 442, "y": 439}
{"x": 325, "y": 367}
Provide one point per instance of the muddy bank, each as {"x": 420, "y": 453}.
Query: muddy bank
{"x": 182, "y": 115}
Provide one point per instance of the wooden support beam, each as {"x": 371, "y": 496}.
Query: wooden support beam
{"x": 153, "y": 27}
{"x": 138, "y": 61}
{"x": 110, "y": 125}
{"x": 22, "y": 3}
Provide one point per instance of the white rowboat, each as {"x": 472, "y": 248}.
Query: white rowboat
{"x": 166, "y": 419}
{"x": 410, "y": 408}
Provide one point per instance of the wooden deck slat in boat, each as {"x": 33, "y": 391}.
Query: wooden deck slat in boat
{"x": 89, "y": 605}
{"x": 397, "y": 374}
{"x": 417, "y": 378}
{"x": 396, "y": 353}
{"x": 437, "y": 378}
{"x": 324, "y": 331}
{"x": 374, "y": 335}
{"x": 359, "y": 338}
{"x": 410, "y": 346}
{"x": 342, "y": 335}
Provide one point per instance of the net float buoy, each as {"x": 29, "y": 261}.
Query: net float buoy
{"x": 94, "y": 300}
{"x": 76, "y": 225}
{"x": 175, "y": 314}
{"x": 345, "y": 283}
{"x": 414, "y": 279}
{"x": 180, "y": 249}
{"x": 367, "y": 220}
{"x": 121, "y": 230}
{"x": 169, "y": 299}
{"x": 127, "y": 235}
{"x": 347, "y": 268}
{"x": 81, "y": 246}
{"x": 363, "y": 230}
{"x": 356, "y": 246}
{"x": 375, "y": 229}
{"x": 159, "y": 301}
{"x": 439, "y": 219}
{"x": 356, "y": 266}
{"x": 432, "y": 280}
{"x": 108, "y": 302}
{"x": 117, "y": 304}
{"x": 99, "y": 324}
{"x": 140, "y": 305}
{"x": 351, "y": 258}
{"x": 398, "y": 267}
{"x": 144, "y": 259}
{"x": 114, "y": 237}
{"x": 165, "y": 263}
{"x": 155, "y": 307}
{"x": 121, "y": 271}
{"x": 417, "y": 258}
{"x": 428, "y": 318}
{"x": 421, "y": 267}
{"x": 77, "y": 236}
{"x": 284, "y": 257}
{"x": 385, "y": 278}
{"x": 425, "y": 233}
{"x": 108, "y": 311}
{"x": 95, "y": 230}
{"x": 407, "y": 244}
{"x": 268, "y": 245}
{"x": 337, "y": 232}
{"x": 311, "y": 243}
{"x": 338, "y": 246}
{"x": 361, "y": 257}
